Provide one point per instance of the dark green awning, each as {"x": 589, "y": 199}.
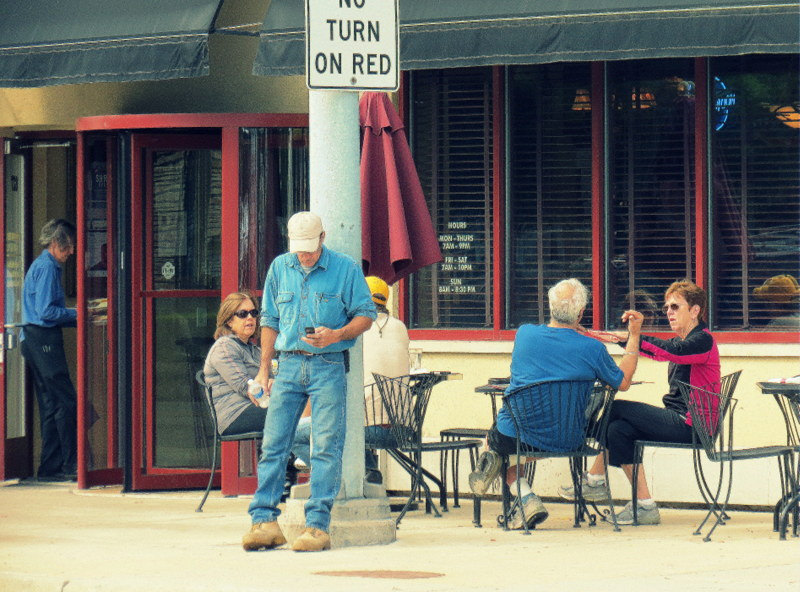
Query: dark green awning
{"x": 450, "y": 34}
{"x": 48, "y": 42}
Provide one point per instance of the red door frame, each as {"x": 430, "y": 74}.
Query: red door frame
{"x": 144, "y": 473}
{"x": 3, "y": 461}
{"x": 112, "y": 473}
{"x": 229, "y": 125}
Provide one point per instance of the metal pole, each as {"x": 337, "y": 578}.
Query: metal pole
{"x": 335, "y": 187}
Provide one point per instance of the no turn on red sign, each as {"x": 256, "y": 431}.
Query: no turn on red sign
{"x": 352, "y": 45}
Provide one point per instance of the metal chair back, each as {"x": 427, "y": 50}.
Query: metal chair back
{"x": 712, "y": 415}
{"x": 218, "y": 437}
{"x": 708, "y": 409}
{"x": 405, "y": 401}
{"x": 560, "y": 418}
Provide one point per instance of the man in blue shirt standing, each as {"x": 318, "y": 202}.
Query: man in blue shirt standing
{"x": 315, "y": 304}
{"x": 44, "y": 312}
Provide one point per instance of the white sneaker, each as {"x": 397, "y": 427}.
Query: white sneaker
{"x": 591, "y": 493}
{"x": 535, "y": 512}
{"x": 645, "y": 515}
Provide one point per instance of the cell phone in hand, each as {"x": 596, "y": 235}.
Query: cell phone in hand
{"x": 310, "y": 330}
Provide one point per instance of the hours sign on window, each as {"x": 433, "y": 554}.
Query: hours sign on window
{"x": 352, "y": 45}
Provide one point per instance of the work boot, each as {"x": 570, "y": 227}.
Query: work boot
{"x": 312, "y": 539}
{"x": 263, "y": 535}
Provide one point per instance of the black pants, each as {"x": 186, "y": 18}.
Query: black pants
{"x": 251, "y": 419}
{"x": 632, "y": 420}
{"x": 43, "y": 349}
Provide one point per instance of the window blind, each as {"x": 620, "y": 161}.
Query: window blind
{"x": 451, "y": 139}
{"x": 651, "y": 179}
{"x": 756, "y": 193}
{"x": 273, "y": 185}
{"x": 548, "y": 214}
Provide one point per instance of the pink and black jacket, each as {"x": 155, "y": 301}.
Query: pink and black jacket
{"x": 694, "y": 360}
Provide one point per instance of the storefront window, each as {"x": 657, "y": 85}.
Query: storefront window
{"x": 548, "y": 215}
{"x": 273, "y": 185}
{"x": 651, "y": 182}
{"x": 646, "y": 235}
{"x": 755, "y": 136}
{"x": 186, "y": 219}
{"x": 451, "y": 139}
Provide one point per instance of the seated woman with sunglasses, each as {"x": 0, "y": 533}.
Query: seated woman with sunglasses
{"x": 693, "y": 357}
{"x": 231, "y": 362}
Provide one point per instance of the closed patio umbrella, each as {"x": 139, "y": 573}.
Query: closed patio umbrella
{"x": 397, "y": 234}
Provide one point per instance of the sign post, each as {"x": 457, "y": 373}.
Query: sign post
{"x": 351, "y": 45}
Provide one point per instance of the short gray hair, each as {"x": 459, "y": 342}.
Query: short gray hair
{"x": 567, "y": 299}
{"x": 60, "y": 231}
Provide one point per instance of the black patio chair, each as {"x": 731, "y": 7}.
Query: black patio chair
{"x": 212, "y": 414}
{"x": 580, "y": 410}
{"x": 728, "y": 386}
{"x": 453, "y": 439}
{"x": 789, "y": 504}
{"x": 405, "y": 400}
{"x": 712, "y": 419}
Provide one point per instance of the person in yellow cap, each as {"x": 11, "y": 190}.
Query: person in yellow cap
{"x": 781, "y": 294}
{"x": 385, "y": 352}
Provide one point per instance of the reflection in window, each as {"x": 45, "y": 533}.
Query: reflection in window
{"x": 756, "y": 194}
{"x": 452, "y": 144}
{"x": 549, "y": 214}
{"x": 187, "y": 191}
{"x": 273, "y": 185}
{"x": 651, "y": 174}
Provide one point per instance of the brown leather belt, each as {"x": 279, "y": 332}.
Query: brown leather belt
{"x": 300, "y": 352}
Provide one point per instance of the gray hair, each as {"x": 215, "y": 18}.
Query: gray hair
{"x": 60, "y": 231}
{"x": 567, "y": 299}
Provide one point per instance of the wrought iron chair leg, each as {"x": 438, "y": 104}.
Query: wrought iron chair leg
{"x": 443, "y": 472}
{"x": 611, "y": 499}
{"x": 638, "y": 454}
{"x": 211, "y": 476}
{"x": 476, "y": 512}
{"x": 721, "y": 509}
{"x": 456, "y": 455}
{"x": 710, "y": 499}
{"x": 502, "y": 519}
{"x": 476, "y": 499}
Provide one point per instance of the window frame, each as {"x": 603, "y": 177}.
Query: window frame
{"x": 599, "y": 195}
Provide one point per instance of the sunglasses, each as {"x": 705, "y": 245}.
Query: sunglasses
{"x": 671, "y": 307}
{"x": 242, "y": 314}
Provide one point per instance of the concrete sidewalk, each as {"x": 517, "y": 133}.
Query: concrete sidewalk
{"x": 57, "y": 538}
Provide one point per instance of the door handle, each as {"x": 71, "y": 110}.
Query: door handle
{"x": 10, "y": 340}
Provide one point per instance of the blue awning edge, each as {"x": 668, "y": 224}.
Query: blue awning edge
{"x": 479, "y": 33}
{"x": 45, "y": 43}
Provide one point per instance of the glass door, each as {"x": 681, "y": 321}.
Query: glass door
{"x": 17, "y": 439}
{"x": 176, "y": 270}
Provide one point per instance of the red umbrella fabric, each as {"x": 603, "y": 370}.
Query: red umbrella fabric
{"x": 397, "y": 234}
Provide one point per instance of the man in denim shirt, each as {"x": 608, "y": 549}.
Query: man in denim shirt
{"x": 315, "y": 304}
{"x": 44, "y": 312}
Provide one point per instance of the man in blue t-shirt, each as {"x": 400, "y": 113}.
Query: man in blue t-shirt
{"x": 558, "y": 351}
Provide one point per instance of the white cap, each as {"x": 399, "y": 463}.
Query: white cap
{"x": 305, "y": 228}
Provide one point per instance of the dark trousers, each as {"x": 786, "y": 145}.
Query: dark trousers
{"x": 632, "y": 420}
{"x": 43, "y": 349}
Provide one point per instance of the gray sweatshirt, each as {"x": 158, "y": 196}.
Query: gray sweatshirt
{"x": 230, "y": 363}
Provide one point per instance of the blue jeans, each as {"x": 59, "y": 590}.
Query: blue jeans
{"x": 374, "y": 437}
{"x": 322, "y": 379}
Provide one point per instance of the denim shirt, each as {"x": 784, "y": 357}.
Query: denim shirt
{"x": 43, "y": 302}
{"x": 330, "y": 295}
